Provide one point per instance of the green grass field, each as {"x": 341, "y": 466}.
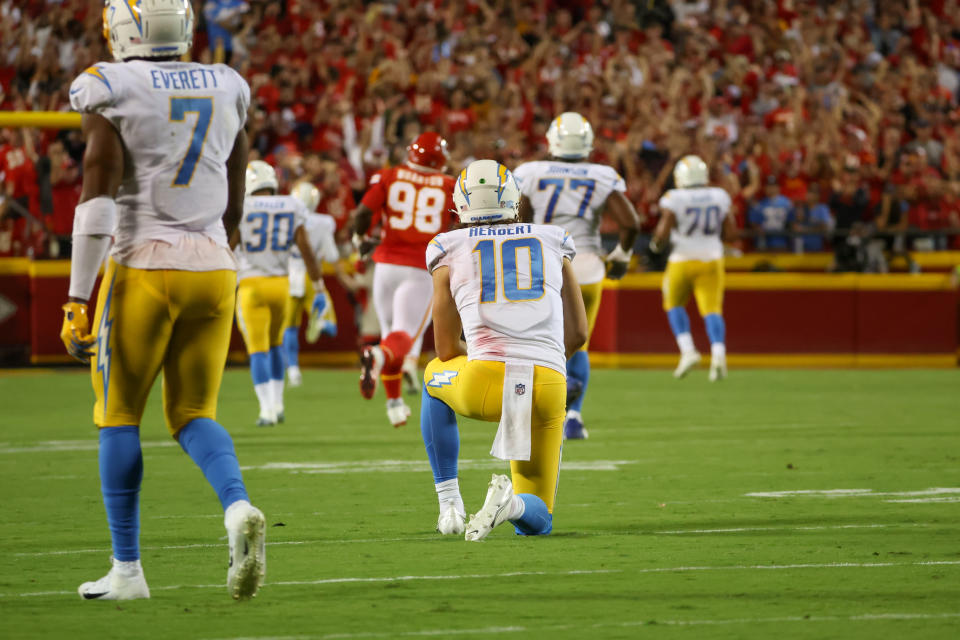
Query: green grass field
{"x": 813, "y": 504}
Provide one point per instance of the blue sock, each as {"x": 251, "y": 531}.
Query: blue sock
{"x": 716, "y": 329}
{"x": 291, "y": 346}
{"x": 438, "y": 426}
{"x": 276, "y": 363}
{"x": 121, "y": 471}
{"x": 210, "y": 446}
{"x": 536, "y": 520}
{"x": 260, "y": 367}
{"x": 578, "y": 368}
{"x": 679, "y": 320}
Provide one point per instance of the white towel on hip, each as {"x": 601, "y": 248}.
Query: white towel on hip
{"x": 512, "y": 441}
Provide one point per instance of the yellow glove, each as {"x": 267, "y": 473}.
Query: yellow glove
{"x": 76, "y": 331}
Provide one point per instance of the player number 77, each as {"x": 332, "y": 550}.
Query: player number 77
{"x": 179, "y": 108}
{"x": 558, "y": 185}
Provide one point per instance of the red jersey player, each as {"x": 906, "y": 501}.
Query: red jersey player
{"x": 411, "y": 204}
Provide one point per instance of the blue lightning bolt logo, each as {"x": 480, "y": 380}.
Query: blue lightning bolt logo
{"x": 103, "y": 345}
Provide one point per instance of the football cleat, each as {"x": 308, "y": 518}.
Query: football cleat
{"x": 371, "y": 361}
{"x": 294, "y": 376}
{"x": 124, "y": 581}
{"x": 246, "y": 535}
{"x": 495, "y": 510}
{"x": 687, "y": 361}
{"x": 718, "y": 369}
{"x": 267, "y": 421}
{"x": 280, "y": 417}
{"x": 398, "y": 412}
{"x": 451, "y": 521}
{"x": 573, "y": 428}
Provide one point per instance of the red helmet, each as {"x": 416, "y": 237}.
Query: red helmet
{"x": 428, "y": 150}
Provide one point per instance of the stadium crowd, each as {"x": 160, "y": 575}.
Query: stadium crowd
{"x": 832, "y": 124}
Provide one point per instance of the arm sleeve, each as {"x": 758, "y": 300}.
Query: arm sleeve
{"x": 328, "y": 245}
{"x": 437, "y": 253}
{"x": 376, "y": 194}
{"x": 94, "y": 90}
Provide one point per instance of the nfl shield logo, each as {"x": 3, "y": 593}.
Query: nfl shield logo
{"x": 520, "y": 389}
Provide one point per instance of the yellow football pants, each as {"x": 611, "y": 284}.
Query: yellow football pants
{"x": 476, "y": 391}
{"x": 592, "y": 293}
{"x": 148, "y": 321}
{"x": 261, "y": 303}
{"x": 298, "y": 307}
{"x": 705, "y": 279}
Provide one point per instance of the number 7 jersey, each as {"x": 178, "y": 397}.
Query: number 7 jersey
{"x": 506, "y": 281}
{"x": 178, "y": 122}
{"x": 699, "y": 212}
{"x": 411, "y": 206}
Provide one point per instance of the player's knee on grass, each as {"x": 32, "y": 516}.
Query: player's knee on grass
{"x": 536, "y": 519}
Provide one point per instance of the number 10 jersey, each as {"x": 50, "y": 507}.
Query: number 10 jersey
{"x": 506, "y": 281}
{"x": 699, "y": 213}
{"x": 178, "y": 122}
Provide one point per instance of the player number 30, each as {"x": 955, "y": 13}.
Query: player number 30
{"x": 420, "y": 208}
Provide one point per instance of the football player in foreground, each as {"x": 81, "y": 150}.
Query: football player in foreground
{"x": 163, "y": 175}
{"x": 411, "y": 204}
{"x": 272, "y": 227}
{"x": 695, "y": 220}
{"x": 510, "y": 288}
{"x": 573, "y": 193}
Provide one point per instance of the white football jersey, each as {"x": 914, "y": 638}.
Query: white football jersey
{"x": 178, "y": 122}
{"x": 572, "y": 195}
{"x": 506, "y": 281}
{"x": 267, "y": 234}
{"x": 321, "y": 228}
{"x": 700, "y": 212}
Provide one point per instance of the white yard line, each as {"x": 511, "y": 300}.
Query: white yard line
{"x": 418, "y": 466}
{"x": 540, "y": 629}
{"x": 52, "y": 446}
{"x": 791, "y": 528}
{"x": 514, "y": 574}
{"x": 851, "y": 493}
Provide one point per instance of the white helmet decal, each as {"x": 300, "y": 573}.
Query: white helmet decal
{"x": 486, "y": 191}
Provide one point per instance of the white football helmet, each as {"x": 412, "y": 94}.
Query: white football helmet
{"x": 486, "y": 191}
{"x": 260, "y": 175}
{"x": 570, "y": 136}
{"x": 148, "y": 28}
{"x": 308, "y": 194}
{"x": 691, "y": 171}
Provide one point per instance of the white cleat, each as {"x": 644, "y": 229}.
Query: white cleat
{"x": 294, "y": 377}
{"x": 495, "y": 510}
{"x": 687, "y": 361}
{"x": 718, "y": 369}
{"x": 267, "y": 420}
{"x": 246, "y": 533}
{"x": 451, "y": 521}
{"x": 124, "y": 581}
{"x": 398, "y": 412}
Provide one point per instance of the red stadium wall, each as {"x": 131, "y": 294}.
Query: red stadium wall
{"x": 772, "y": 320}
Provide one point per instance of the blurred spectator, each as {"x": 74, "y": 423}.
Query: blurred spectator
{"x": 811, "y": 218}
{"x": 770, "y": 217}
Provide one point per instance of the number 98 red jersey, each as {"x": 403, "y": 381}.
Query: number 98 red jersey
{"x": 411, "y": 206}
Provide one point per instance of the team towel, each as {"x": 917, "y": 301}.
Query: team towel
{"x": 512, "y": 441}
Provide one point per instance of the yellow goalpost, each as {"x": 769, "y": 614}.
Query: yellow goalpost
{"x": 40, "y": 119}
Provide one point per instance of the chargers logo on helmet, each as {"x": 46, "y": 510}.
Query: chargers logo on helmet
{"x": 486, "y": 191}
